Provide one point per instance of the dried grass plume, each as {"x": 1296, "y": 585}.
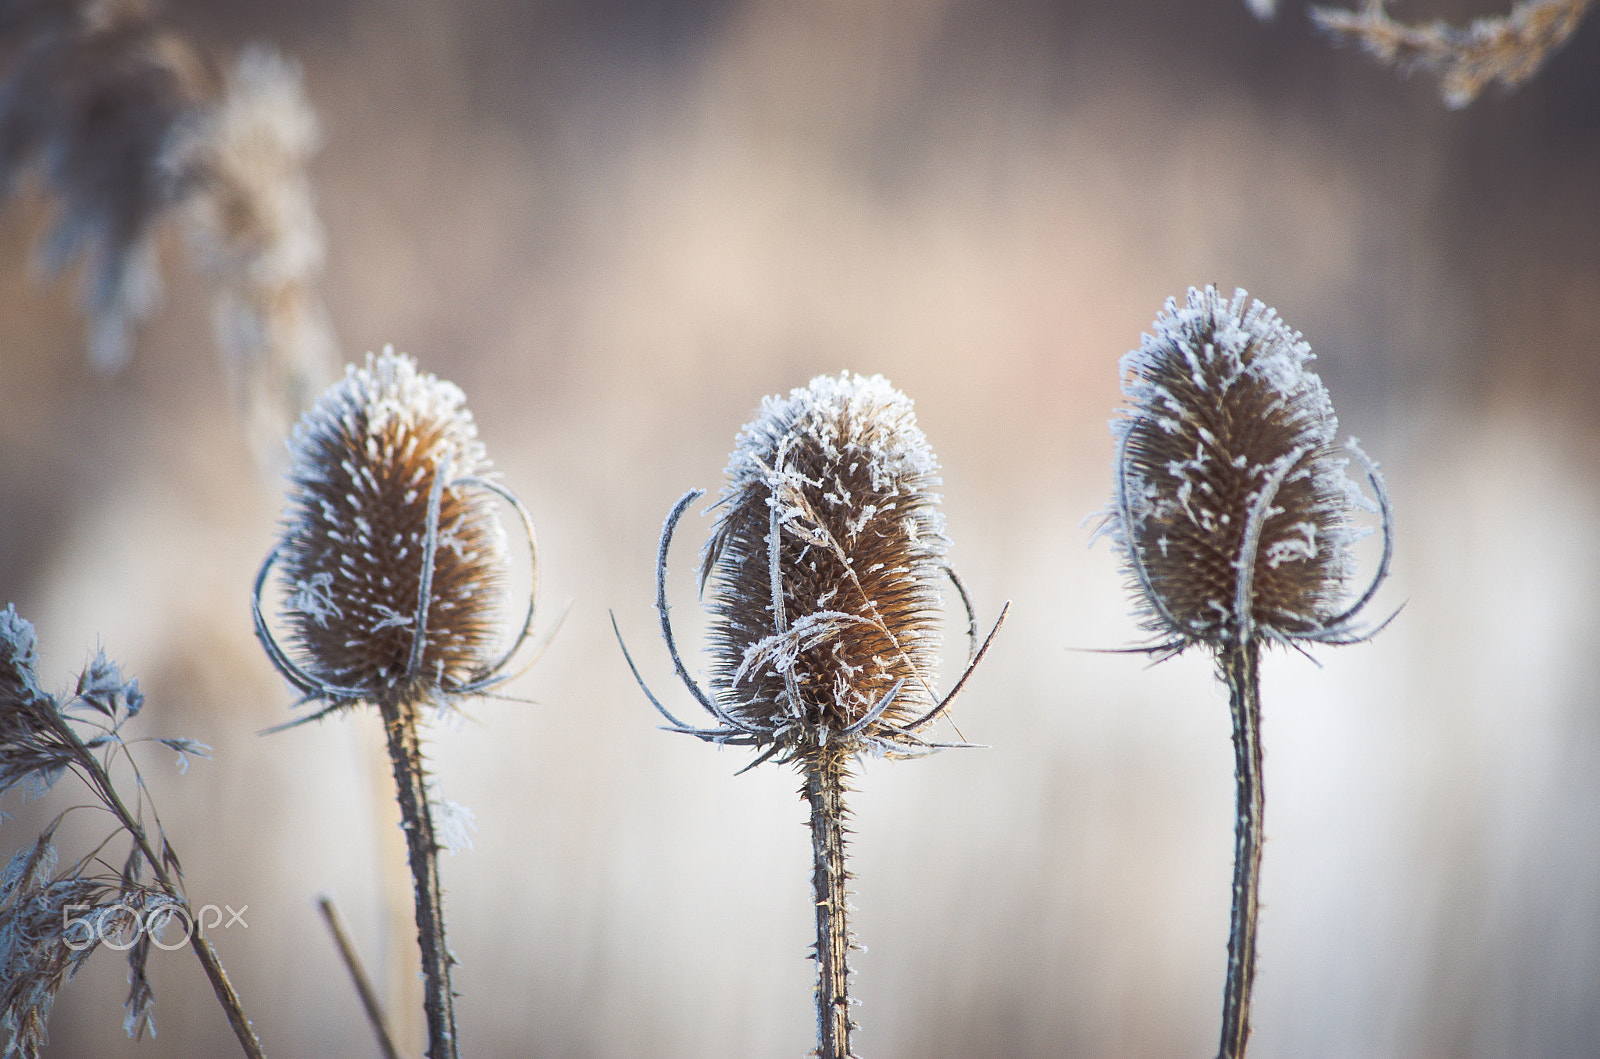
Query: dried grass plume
{"x": 1508, "y": 49}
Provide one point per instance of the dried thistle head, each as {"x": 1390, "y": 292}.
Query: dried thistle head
{"x": 824, "y": 568}
{"x": 391, "y": 556}
{"x": 1233, "y": 510}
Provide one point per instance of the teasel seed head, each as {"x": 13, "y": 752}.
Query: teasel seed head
{"x": 391, "y": 556}
{"x": 1233, "y": 510}
{"x": 824, "y": 571}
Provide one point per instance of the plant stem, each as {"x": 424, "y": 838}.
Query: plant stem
{"x": 221, "y": 985}
{"x": 825, "y": 784}
{"x": 405, "y": 755}
{"x": 1239, "y": 668}
{"x": 358, "y": 976}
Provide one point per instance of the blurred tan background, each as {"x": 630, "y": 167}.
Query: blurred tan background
{"x": 617, "y": 226}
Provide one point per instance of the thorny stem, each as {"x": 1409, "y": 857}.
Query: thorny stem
{"x": 1239, "y": 668}
{"x": 824, "y": 790}
{"x": 405, "y": 754}
{"x": 232, "y": 1006}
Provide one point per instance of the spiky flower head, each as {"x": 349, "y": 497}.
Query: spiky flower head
{"x": 1233, "y": 509}
{"x": 392, "y": 558}
{"x": 810, "y": 640}
{"x": 824, "y": 568}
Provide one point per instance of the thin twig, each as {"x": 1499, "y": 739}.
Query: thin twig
{"x": 358, "y": 976}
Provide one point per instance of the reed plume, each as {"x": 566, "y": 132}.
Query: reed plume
{"x": 393, "y": 566}
{"x": 824, "y": 567}
{"x": 1235, "y": 520}
{"x": 129, "y": 126}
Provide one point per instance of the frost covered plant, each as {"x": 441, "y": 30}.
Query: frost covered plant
{"x": 1509, "y": 48}
{"x": 1236, "y": 523}
{"x": 393, "y": 566}
{"x": 92, "y": 97}
{"x": 52, "y": 921}
{"x": 824, "y": 567}
{"x": 253, "y": 222}
{"x": 128, "y": 125}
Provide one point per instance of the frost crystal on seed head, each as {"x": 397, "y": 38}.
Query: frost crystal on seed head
{"x": 839, "y": 473}
{"x": 366, "y": 464}
{"x": 1233, "y": 509}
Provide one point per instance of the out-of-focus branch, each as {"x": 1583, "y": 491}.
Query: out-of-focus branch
{"x": 1508, "y": 49}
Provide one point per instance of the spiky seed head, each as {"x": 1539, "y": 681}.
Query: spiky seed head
{"x": 804, "y": 649}
{"x": 1233, "y": 509}
{"x": 356, "y": 533}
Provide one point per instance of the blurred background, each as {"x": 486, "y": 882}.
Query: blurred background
{"x": 617, "y": 226}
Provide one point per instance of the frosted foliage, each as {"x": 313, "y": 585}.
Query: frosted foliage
{"x": 386, "y": 400}
{"x": 366, "y": 463}
{"x": 454, "y": 824}
{"x": 838, "y": 479}
{"x": 847, "y": 416}
{"x": 1233, "y": 508}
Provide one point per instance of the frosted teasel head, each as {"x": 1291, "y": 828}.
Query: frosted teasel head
{"x": 1233, "y": 511}
{"x": 824, "y": 568}
{"x": 391, "y": 557}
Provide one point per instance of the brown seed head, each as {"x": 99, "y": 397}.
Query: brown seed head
{"x": 1233, "y": 508}
{"x": 367, "y": 462}
{"x": 840, "y": 476}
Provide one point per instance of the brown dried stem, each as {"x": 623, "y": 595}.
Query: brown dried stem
{"x": 826, "y": 774}
{"x": 399, "y": 715}
{"x": 358, "y": 976}
{"x": 1239, "y": 669}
